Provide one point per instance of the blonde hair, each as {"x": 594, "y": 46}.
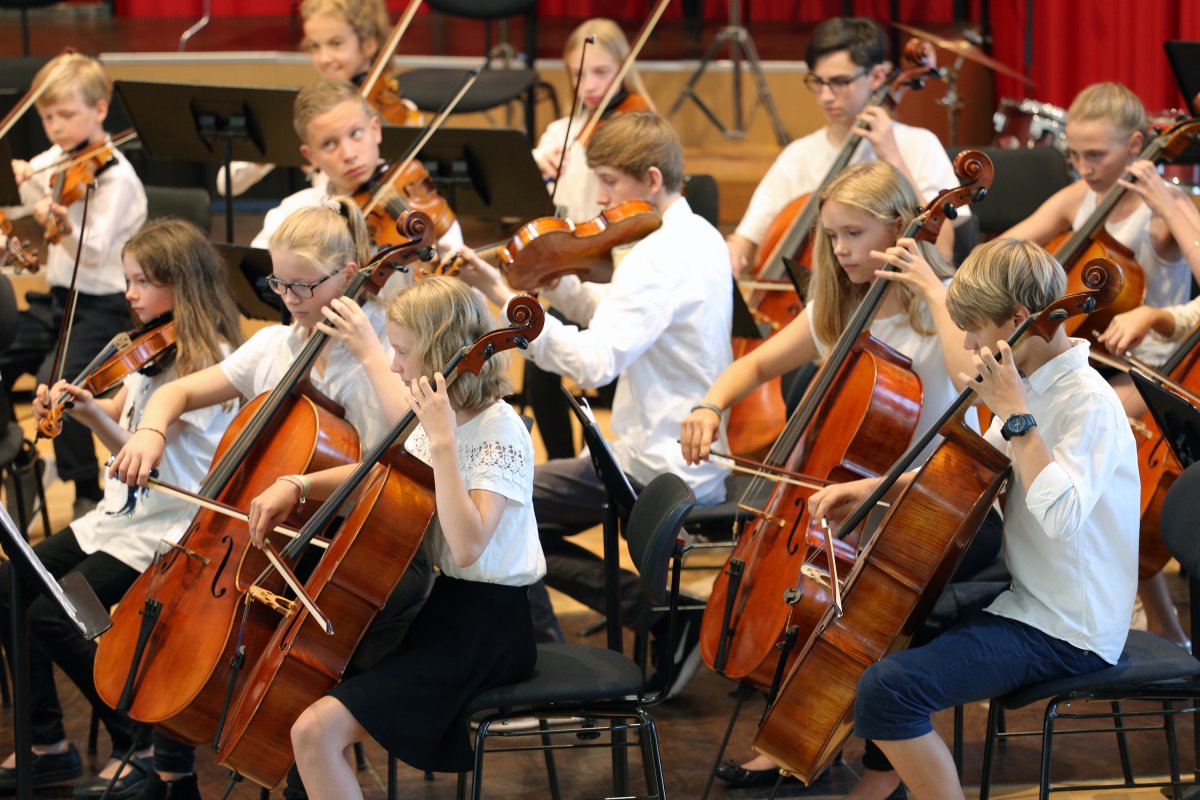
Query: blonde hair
{"x": 322, "y": 97}
{"x": 328, "y": 236}
{"x": 611, "y": 39}
{"x": 1112, "y": 103}
{"x": 881, "y": 191}
{"x": 68, "y": 73}
{"x": 174, "y": 253}
{"x": 1000, "y": 275}
{"x": 367, "y": 18}
{"x": 445, "y": 315}
{"x": 635, "y": 142}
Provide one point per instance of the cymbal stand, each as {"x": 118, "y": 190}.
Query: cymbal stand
{"x": 741, "y": 47}
{"x": 952, "y": 100}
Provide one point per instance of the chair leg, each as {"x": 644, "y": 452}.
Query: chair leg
{"x": 1172, "y": 749}
{"x": 989, "y": 744}
{"x": 461, "y": 793}
{"x": 5, "y": 696}
{"x": 360, "y": 758}
{"x": 743, "y": 691}
{"x": 1122, "y": 742}
{"x": 958, "y": 741}
{"x": 548, "y": 754}
{"x": 620, "y": 756}
{"x": 477, "y": 773}
{"x": 1047, "y": 744}
{"x": 652, "y": 755}
{"x": 93, "y": 733}
{"x": 391, "y": 789}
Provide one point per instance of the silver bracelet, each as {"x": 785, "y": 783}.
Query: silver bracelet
{"x": 713, "y": 407}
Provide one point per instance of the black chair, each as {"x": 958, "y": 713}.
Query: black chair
{"x": 704, "y": 196}
{"x": 1151, "y": 669}
{"x": 429, "y": 88}
{"x": 596, "y": 683}
{"x": 1025, "y": 178}
{"x": 190, "y": 203}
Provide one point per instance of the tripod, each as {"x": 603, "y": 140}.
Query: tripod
{"x": 741, "y": 47}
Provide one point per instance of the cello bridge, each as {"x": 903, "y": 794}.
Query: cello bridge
{"x": 763, "y": 515}
{"x": 270, "y": 599}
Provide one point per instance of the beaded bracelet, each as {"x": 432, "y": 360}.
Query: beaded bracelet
{"x": 713, "y": 407}
{"x": 152, "y": 430}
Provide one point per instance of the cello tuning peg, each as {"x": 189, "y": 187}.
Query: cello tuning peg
{"x": 950, "y": 211}
{"x": 979, "y": 195}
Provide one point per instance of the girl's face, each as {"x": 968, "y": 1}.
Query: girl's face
{"x": 599, "y": 69}
{"x": 305, "y": 288}
{"x": 146, "y": 298}
{"x": 404, "y": 343}
{"x": 1100, "y": 153}
{"x": 335, "y": 48}
{"x": 854, "y": 233}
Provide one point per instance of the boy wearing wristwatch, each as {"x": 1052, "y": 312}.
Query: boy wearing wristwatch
{"x": 1070, "y": 523}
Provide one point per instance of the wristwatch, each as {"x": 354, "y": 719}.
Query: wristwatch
{"x": 1017, "y": 425}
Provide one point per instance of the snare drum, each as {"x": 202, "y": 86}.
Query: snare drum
{"x": 1028, "y": 123}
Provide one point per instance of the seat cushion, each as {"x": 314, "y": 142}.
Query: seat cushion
{"x": 567, "y": 673}
{"x": 1147, "y": 658}
{"x": 430, "y": 88}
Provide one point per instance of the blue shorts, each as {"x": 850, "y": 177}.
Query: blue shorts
{"x": 984, "y": 657}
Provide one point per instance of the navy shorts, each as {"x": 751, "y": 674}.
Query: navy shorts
{"x": 984, "y": 657}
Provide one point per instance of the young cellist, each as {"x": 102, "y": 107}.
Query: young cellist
{"x": 170, "y": 269}
{"x": 862, "y": 212}
{"x": 1070, "y": 525}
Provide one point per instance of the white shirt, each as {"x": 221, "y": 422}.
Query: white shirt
{"x": 803, "y": 164}
{"x": 495, "y": 454}
{"x": 1168, "y": 283}
{"x": 259, "y": 364}
{"x": 244, "y": 174}
{"x": 116, "y": 211}
{"x": 1071, "y": 541}
{"x": 578, "y": 185}
{"x": 662, "y": 326}
{"x": 133, "y": 537}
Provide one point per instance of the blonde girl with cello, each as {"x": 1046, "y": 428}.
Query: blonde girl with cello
{"x": 314, "y": 253}
{"x": 862, "y": 211}
{"x": 474, "y": 631}
{"x": 170, "y": 269}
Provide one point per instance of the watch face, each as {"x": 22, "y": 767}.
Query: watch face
{"x": 1018, "y": 424}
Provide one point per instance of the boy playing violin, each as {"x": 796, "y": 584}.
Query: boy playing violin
{"x": 845, "y": 60}
{"x": 340, "y": 135}
{"x": 1070, "y": 525}
{"x": 73, "y": 106}
{"x": 661, "y": 326}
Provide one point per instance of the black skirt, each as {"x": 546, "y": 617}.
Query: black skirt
{"x": 467, "y": 638}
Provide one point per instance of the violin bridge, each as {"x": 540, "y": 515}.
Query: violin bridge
{"x": 763, "y": 515}
{"x": 270, "y": 599}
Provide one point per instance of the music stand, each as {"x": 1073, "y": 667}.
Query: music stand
{"x": 9, "y": 194}
{"x": 1178, "y": 419}
{"x": 1185, "y": 63}
{"x": 484, "y": 173}
{"x": 78, "y": 602}
{"x": 248, "y": 269}
{"x": 217, "y": 124}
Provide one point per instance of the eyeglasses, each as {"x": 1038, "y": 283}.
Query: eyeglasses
{"x": 837, "y": 84}
{"x": 302, "y": 290}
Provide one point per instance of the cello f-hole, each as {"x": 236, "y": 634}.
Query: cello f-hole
{"x": 213, "y": 589}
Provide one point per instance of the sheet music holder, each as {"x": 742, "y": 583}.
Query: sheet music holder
{"x": 484, "y": 173}
{"x": 1178, "y": 419}
{"x": 78, "y": 602}
{"x": 218, "y": 124}
{"x": 1185, "y": 63}
{"x": 248, "y": 269}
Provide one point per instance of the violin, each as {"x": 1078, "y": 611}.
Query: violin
{"x": 127, "y": 353}
{"x": 757, "y": 420}
{"x": 71, "y": 178}
{"x": 18, "y": 255}
{"x": 902, "y": 570}
{"x": 381, "y": 90}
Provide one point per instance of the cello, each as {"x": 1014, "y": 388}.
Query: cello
{"x": 354, "y": 579}
{"x": 860, "y": 410}
{"x": 904, "y": 567}
{"x": 757, "y": 420}
{"x": 161, "y": 661}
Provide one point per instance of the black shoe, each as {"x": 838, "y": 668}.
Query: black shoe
{"x": 48, "y": 768}
{"x": 155, "y": 788}
{"x": 738, "y": 777}
{"x": 129, "y": 785}
{"x": 898, "y": 793}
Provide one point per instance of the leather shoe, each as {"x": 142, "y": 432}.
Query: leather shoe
{"x": 127, "y": 786}
{"x": 738, "y": 777}
{"x": 47, "y": 768}
{"x": 155, "y": 788}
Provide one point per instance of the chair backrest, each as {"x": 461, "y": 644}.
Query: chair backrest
{"x": 1177, "y": 521}
{"x": 657, "y": 517}
{"x": 483, "y": 9}
{"x": 8, "y": 315}
{"x": 191, "y": 203}
{"x": 1025, "y": 178}
{"x": 703, "y": 196}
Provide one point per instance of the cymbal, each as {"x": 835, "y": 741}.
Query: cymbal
{"x": 965, "y": 49}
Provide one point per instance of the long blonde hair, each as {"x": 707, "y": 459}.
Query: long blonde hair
{"x": 328, "y": 236}
{"x": 611, "y": 39}
{"x": 880, "y": 190}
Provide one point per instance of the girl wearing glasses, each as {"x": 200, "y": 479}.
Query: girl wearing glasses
{"x": 846, "y": 65}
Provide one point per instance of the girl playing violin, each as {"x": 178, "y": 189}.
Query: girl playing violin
{"x": 170, "y": 268}
{"x": 73, "y": 107}
{"x": 861, "y": 213}
{"x": 577, "y": 186}
{"x": 474, "y": 631}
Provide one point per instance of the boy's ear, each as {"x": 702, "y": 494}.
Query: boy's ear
{"x": 101, "y": 110}
{"x": 1020, "y": 314}
{"x": 653, "y": 180}
{"x": 307, "y": 153}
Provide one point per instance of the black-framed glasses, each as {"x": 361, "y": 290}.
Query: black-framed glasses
{"x": 300, "y": 289}
{"x": 836, "y": 84}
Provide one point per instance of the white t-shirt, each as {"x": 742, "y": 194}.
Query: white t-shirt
{"x": 259, "y": 364}
{"x": 803, "y": 164}
{"x": 495, "y": 454}
{"x": 133, "y": 536}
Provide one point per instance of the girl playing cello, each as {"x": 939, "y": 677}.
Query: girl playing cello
{"x": 170, "y": 268}
{"x": 474, "y": 631}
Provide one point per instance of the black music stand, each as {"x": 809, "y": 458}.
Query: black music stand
{"x": 248, "y": 269}
{"x": 1178, "y": 419}
{"x": 484, "y": 173}
{"x": 76, "y": 599}
{"x": 218, "y": 124}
